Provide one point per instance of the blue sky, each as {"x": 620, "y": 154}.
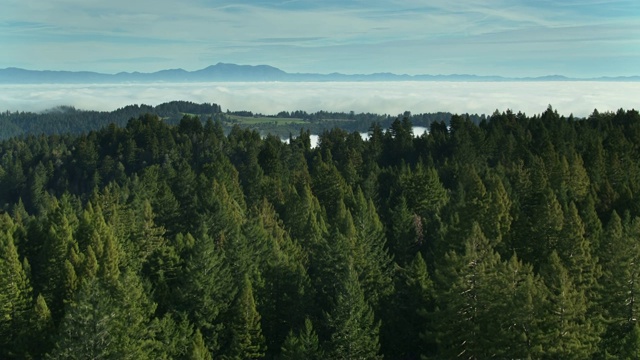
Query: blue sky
{"x": 579, "y": 38}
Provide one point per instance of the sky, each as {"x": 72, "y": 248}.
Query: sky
{"x": 515, "y": 38}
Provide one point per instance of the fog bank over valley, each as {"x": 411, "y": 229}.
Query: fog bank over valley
{"x": 579, "y": 98}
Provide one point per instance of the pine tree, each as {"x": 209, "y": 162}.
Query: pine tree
{"x": 354, "y": 329}
{"x": 105, "y": 321}
{"x": 520, "y": 308}
{"x": 467, "y": 302}
{"x": 496, "y": 222}
{"x": 404, "y": 232}
{"x": 371, "y": 259}
{"x": 41, "y": 329}
{"x": 85, "y": 331}
{"x": 150, "y": 237}
{"x": 284, "y": 289}
{"x": 56, "y": 277}
{"x": 569, "y": 333}
{"x": 577, "y": 255}
{"x": 198, "y": 350}
{"x": 247, "y": 341}
{"x": 305, "y": 345}
{"x": 407, "y": 329}
{"x": 620, "y": 280}
{"x": 15, "y": 298}
{"x": 205, "y": 288}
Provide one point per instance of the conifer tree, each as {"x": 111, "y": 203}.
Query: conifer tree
{"x": 56, "y": 285}
{"x": 355, "y": 332}
{"x": 15, "y": 298}
{"x": 198, "y": 350}
{"x": 371, "y": 259}
{"x": 41, "y": 329}
{"x": 107, "y": 322}
{"x": 285, "y": 287}
{"x": 467, "y": 302}
{"x": 577, "y": 255}
{"x": 520, "y": 312}
{"x": 304, "y": 345}
{"x": 150, "y": 236}
{"x": 407, "y": 328}
{"x": 85, "y": 331}
{"x": 496, "y": 222}
{"x": 620, "y": 280}
{"x": 204, "y": 288}
{"x": 247, "y": 341}
{"x": 404, "y": 232}
{"x": 569, "y": 332}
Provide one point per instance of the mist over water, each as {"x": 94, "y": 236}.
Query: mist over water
{"x": 578, "y": 98}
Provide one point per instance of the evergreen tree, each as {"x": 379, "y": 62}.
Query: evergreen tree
{"x": 467, "y": 302}
{"x": 198, "y": 350}
{"x": 305, "y": 345}
{"x": 107, "y": 322}
{"x": 407, "y": 329}
{"x": 57, "y": 279}
{"x": 247, "y": 341}
{"x": 205, "y": 288}
{"x": 41, "y": 329}
{"x": 569, "y": 332}
{"x": 520, "y": 313}
{"x": 404, "y": 232}
{"x": 284, "y": 291}
{"x": 620, "y": 280}
{"x": 371, "y": 259}
{"x": 354, "y": 329}
{"x": 576, "y": 252}
{"x": 15, "y": 298}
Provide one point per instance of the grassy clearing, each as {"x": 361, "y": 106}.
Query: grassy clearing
{"x": 251, "y": 120}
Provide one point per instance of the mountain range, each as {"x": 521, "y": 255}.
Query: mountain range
{"x": 222, "y": 72}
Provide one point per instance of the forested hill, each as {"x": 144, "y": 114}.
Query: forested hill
{"x": 517, "y": 237}
{"x": 69, "y": 120}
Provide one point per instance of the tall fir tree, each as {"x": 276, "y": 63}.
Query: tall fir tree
{"x": 304, "y": 345}
{"x": 407, "y": 329}
{"x": 355, "y": 331}
{"x": 569, "y": 332}
{"x": 15, "y": 298}
{"x": 105, "y": 321}
{"x": 467, "y": 300}
{"x": 247, "y": 341}
{"x": 620, "y": 279}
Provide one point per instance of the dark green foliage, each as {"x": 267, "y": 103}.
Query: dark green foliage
{"x": 355, "y": 331}
{"x": 569, "y": 332}
{"x": 107, "y": 321}
{"x": 209, "y": 291}
{"x": 144, "y": 239}
{"x": 247, "y": 341}
{"x": 305, "y": 345}
{"x": 15, "y": 296}
{"x": 468, "y": 300}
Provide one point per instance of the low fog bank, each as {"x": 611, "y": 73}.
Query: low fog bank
{"x": 578, "y": 98}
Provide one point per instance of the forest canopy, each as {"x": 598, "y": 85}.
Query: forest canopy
{"x": 507, "y": 236}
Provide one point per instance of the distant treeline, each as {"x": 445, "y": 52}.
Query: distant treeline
{"x": 69, "y": 120}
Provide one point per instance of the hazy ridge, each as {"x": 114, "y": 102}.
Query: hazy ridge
{"x": 250, "y": 73}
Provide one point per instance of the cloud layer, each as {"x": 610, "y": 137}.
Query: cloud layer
{"x": 578, "y": 98}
